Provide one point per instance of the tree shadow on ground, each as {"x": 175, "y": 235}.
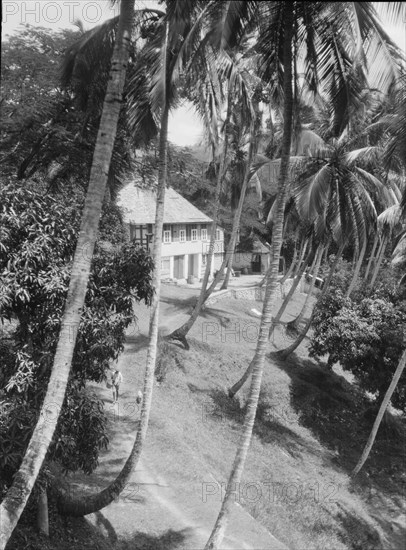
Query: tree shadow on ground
{"x": 341, "y": 416}
{"x": 103, "y": 522}
{"x": 181, "y": 302}
{"x": 135, "y": 342}
{"x": 267, "y": 426}
{"x": 357, "y": 533}
{"x": 170, "y": 540}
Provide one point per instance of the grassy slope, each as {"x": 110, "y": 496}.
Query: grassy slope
{"x": 309, "y": 433}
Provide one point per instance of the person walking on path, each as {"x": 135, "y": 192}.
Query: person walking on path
{"x": 116, "y": 379}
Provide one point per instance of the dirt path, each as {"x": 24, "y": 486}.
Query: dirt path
{"x": 160, "y": 509}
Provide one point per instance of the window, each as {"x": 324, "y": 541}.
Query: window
{"x": 217, "y": 234}
{"x": 182, "y": 235}
{"x": 204, "y": 259}
{"x": 167, "y": 236}
{"x": 194, "y": 234}
{"x": 204, "y": 234}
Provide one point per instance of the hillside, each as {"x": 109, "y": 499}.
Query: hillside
{"x": 310, "y": 430}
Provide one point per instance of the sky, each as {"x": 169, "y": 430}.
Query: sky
{"x": 185, "y": 128}
{"x": 184, "y": 125}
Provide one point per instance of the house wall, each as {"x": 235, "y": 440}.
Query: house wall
{"x": 181, "y": 258}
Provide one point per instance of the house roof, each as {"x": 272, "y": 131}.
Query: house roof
{"x": 138, "y": 206}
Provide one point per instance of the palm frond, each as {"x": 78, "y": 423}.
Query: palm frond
{"x": 383, "y": 194}
{"x": 399, "y": 251}
{"x": 230, "y": 21}
{"x": 390, "y": 218}
{"x": 95, "y": 44}
{"x": 393, "y": 12}
{"x": 365, "y": 154}
{"x": 311, "y": 195}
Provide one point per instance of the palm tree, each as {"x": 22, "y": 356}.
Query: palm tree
{"x": 270, "y": 292}
{"x": 17, "y": 496}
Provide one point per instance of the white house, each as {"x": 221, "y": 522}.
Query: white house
{"x": 186, "y": 231}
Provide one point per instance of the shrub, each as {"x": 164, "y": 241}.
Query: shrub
{"x": 37, "y": 241}
{"x": 367, "y": 338}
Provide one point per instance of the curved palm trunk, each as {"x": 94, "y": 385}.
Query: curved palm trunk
{"x": 381, "y": 255}
{"x": 381, "y": 412}
{"x": 238, "y": 385}
{"x": 292, "y": 289}
{"x": 16, "y": 498}
{"x": 83, "y": 505}
{"x": 357, "y": 270}
{"x": 284, "y": 354}
{"x": 314, "y": 273}
{"x": 217, "y": 534}
{"x": 371, "y": 257}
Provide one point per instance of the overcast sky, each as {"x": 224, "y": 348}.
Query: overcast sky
{"x": 185, "y": 127}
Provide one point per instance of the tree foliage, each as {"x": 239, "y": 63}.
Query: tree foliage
{"x": 37, "y": 241}
{"x": 366, "y": 335}
{"x": 47, "y": 131}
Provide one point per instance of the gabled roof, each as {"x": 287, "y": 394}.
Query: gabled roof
{"x": 138, "y": 206}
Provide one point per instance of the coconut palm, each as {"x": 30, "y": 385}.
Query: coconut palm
{"x": 270, "y": 291}
{"x": 17, "y": 496}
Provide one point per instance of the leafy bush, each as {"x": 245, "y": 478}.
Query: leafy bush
{"x": 37, "y": 241}
{"x": 367, "y": 337}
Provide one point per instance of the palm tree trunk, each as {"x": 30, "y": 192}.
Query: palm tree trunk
{"x": 357, "y": 270}
{"x": 17, "y": 496}
{"x": 83, "y": 505}
{"x": 292, "y": 289}
{"x": 371, "y": 257}
{"x": 381, "y": 412}
{"x": 217, "y": 534}
{"x": 224, "y": 286}
{"x": 238, "y": 385}
{"x": 314, "y": 273}
{"x": 284, "y": 354}
{"x": 380, "y": 256}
